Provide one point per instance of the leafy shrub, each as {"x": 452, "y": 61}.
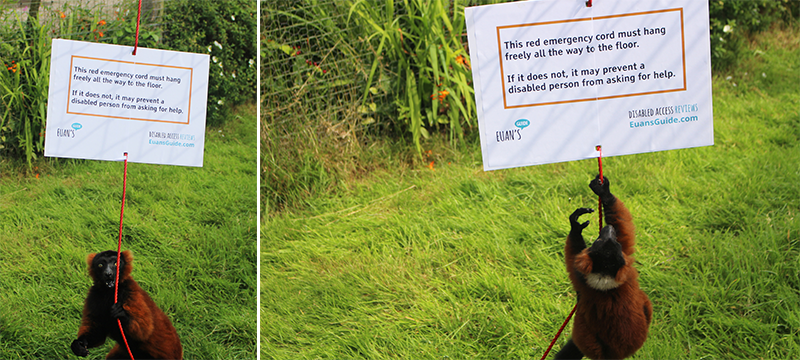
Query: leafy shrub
{"x": 223, "y": 29}
{"x": 226, "y": 31}
{"x": 122, "y": 28}
{"x": 731, "y": 21}
{"x": 26, "y": 53}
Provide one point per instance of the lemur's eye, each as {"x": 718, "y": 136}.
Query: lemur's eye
{"x": 99, "y": 265}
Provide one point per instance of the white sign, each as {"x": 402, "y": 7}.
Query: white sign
{"x": 105, "y": 102}
{"x": 554, "y": 78}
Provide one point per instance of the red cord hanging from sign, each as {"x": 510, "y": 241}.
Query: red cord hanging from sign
{"x": 122, "y": 207}
{"x": 138, "y": 19}
{"x": 600, "y": 200}
{"x": 599, "y": 148}
{"x": 559, "y": 331}
{"x": 119, "y": 249}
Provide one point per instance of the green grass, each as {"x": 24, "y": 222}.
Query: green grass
{"x": 410, "y": 262}
{"x": 192, "y": 232}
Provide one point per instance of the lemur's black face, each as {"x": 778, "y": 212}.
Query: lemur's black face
{"x": 104, "y": 265}
{"x": 606, "y": 253}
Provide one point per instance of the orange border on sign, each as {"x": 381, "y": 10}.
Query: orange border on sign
{"x": 188, "y": 111}
{"x": 502, "y": 74}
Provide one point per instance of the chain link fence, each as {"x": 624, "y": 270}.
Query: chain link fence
{"x": 325, "y": 100}
{"x": 314, "y": 62}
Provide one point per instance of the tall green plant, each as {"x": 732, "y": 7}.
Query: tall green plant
{"x": 421, "y": 55}
{"x": 23, "y": 81}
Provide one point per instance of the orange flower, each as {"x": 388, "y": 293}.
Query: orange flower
{"x": 101, "y": 33}
{"x": 101, "y": 22}
{"x": 430, "y": 166}
{"x": 62, "y": 14}
{"x": 462, "y": 61}
{"x": 443, "y": 94}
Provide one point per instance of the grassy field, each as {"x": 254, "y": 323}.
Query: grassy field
{"x": 453, "y": 262}
{"x": 192, "y": 232}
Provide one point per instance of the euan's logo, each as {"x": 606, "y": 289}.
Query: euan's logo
{"x": 513, "y": 134}
{"x": 69, "y": 133}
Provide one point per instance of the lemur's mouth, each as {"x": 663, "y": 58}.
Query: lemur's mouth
{"x": 110, "y": 282}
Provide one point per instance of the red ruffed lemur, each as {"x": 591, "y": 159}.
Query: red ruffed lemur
{"x": 613, "y": 314}
{"x": 147, "y": 329}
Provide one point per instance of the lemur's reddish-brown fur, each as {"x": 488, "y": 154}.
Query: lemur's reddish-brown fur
{"x": 148, "y": 330}
{"x": 613, "y": 323}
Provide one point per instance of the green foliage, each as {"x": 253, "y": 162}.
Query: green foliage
{"x": 420, "y": 54}
{"x": 226, "y": 31}
{"x": 336, "y": 90}
{"x": 122, "y": 29}
{"x": 23, "y": 85}
{"x": 731, "y": 21}
{"x": 77, "y": 23}
{"x": 26, "y": 55}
